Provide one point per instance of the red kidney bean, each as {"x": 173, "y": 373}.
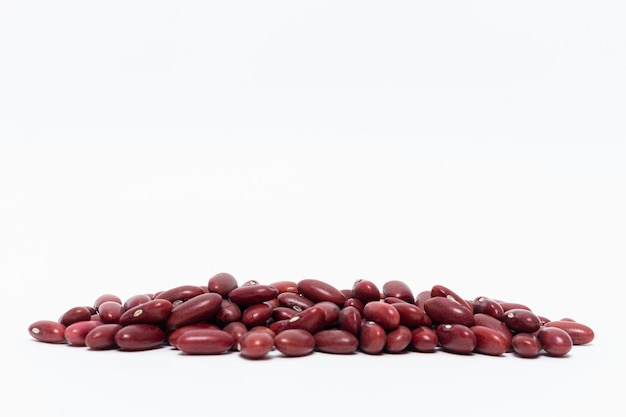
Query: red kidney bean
{"x": 285, "y": 286}
{"x": 312, "y": 320}
{"x": 106, "y": 297}
{"x": 222, "y": 283}
{"x": 289, "y": 299}
{"x": 205, "y": 342}
{"x": 398, "y": 289}
{"x": 350, "y": 320}
{"x": 180, "y": 294}
{"x": 336, "y": 341}
{"x": 365, "y": 291}
{"x": 317, "y": 291}
{"x": 521, "y": 321}
{"x": 482, "y": 319}
{"x": 136, "y": 300}
{"x": 294, "y": 342}
{"x": 172, "y": 339}
{"x": 76, "y": 332}
{"x": 236, "y": 329}
{"x": 442, "y": 291}
{"x": 489, "y": 341}
{"x": 197, "y": 309}
{"x": 382, "y": 313}
{"x": 555, "y": 341}
{"x": 75, "y": 314}
{"x": 398, "y": 339}
{"x": 110, "y": 312}
{"x": 372, "y": 337}
{"x": 151, "y": 312}
{"x": 443, "y": 310}
{"x": 135, "y": 337}
{"x": 412, "y": 316}
{"x": 263, "y": 328}
{"x": 421, "y": 297}
{"x": 394, "y": 300}
{"x": 47, "y": 331}
{"x": 331, "y": 312}
{"x": 227, "y": 312}
{"x": 488, "y": 306}
{"x": 102, "y": 337}
{"x": 252, "y": 294}
{"x": 580, "y": 333}
{"x": 526, "y": 345}
{"x": 256, "y": 314}
{"x": 255, "y": 344}
{"x": 356, "y": 303}
{"x": 507, "y": 305}
{"x": 456, "y": 338}
{"x": 347, "y": 292}
{"x": 283, "y": 313}
{"x": 424, "y": 339}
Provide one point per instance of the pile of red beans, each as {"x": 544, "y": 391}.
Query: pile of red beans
{"x": 299, "y": 318}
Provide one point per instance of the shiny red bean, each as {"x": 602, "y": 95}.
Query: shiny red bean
{"x": 255, "y": 344}
{"x": 488, "y": 306}
{"x": 372, "y": 337}
{"x": 76, "y": 333}
{"x": 222, "y": 283}
{"x": 252, "y": 294}
{"x": 382, "y": 313}
{"x": 555, "y": 341}
{"x": 110, "y": 312}
{"x": 482, "y": 319}
{"x": 294, "y": 342}
{"x": 283, "y": 313}
{"x": 180, "y": 294}
{"x": 291, "y": 300}
{"x": 398, "y": 289}
{"x": 285, "y": 286}
{"x": 135, "y": 337}
{"x": 336, "y": 341}
{"x": 350, "y": 320}
{"x": 331, "y": 312}
{"x": 521, "y": 321}
{"x": 106, "y": 297}
{"x": 47, "y": 331}
{"x": 356, "y": 303}
{"x": 456, "y": 338}
{"x": 200, "y": 308}
{"x": 508, "y": 305}
{"x": 443, "y": 310}
{"x": 317, "y": 291}
{"x": 228, "y": 312}
{"x": 489, "y": 341}
{"x": 312, "y": 320}
{"x": 75, "y": 314}
{"x": 136, "y": 300}
{"x": 421, "y": 298}
{"x": 256, "y": 314}
{"x": 205, "y": 342}
{"x": 580, "y": 333}
{"x": 442, "y": 291}
{"x": 365, "y": 291}
{"x": 424, "y": 339}
{"x": 236, "y": 329}
{"x": 398, "y": 339}
{"x": 102, "y": 337}
{"x": 412, "y": 316}
{"x": 151, "y": 312}
{"x": 172, "y": 339}
{"x": 526, "y": 345}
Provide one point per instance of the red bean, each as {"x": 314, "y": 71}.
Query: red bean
{"x": 421, "y": 298}
{"x": 106, "y": 297}
{"x": 136, "y": 300}
{"x": 294, "y": 342}
{"x": 350, "y": 320}
{"x": 76, "y": 333}
{"x": 136, "y": 337}
{"x": 382, "y": 313}
{"x": 172, "y": 339}
{"x": 180, "y": 294}
{"x": 222, "y": 283}
{"x": 443, "y": 310}
{"x": 312, "y": 320}
{"x": 151, "y": 312}
{"x": 526, "y": 345}
{"x": 200, "y": 308}
{"x": 228, "y": 312}
{"x": 47, "y": 331}
{"x": 283, "y": 313}
{"x": 456, "y": 338}
{"x": 507, "y": 305}
{"x": 580, "y": 333}
{"x": 412, "y": 316}
{"x": 555, "y": 341}
{"x": 424, "y": 339}
{"x": 110, "y": 312}
{"x": 75, "y": 314}
{"x": 372, "y": 337}
{"x": 255, "y": 344}
{"x": 205, "y": 342}
{"x": 102, "y": 337}
{"x": 336, "y": 341}
{"x": 356, "y": 303}
{"x": 256, "y": 314}
{"x": 365, "y": 291}
{"x": 317, "y": 291}
{"x": 442, "y": 291}
{"x": 489, "y": 341}
{"x": 285, "y": 286}
{"x": 521, "y": 321}
{"x": 252, "y": 294}
{"x": 482, "y": 319}
{"x": 398, "y": 339}
{"x": 488, "y": 306}
{"x": 291, "y": 300}
{"x": 236, "y": 329}
{"x": 399, "y": 289}
{"x": 331, "y": 312}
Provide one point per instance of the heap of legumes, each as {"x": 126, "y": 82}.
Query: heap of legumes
{"x": 297, "y": 318}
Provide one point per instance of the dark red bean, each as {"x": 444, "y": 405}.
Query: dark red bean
{"x": 526, "y": 345}
{"x": 255, "y": 344}
{"x": 76, "y": 333}
{"x": 555, "y": 341}
{"x": 136, "y": 300}
{"x": 331, "y": 312}
{"x": 317, "y": 291}
{"x": 106, "y": 297}
{"x": 442, "y": 291}
{"x": 256, "y": 314}
{"x": 47, "y": 331}
{"x": 456, "y": 338}
{"x": 151, "y": 312}
{"x": 507, "y": 305}
{"x": 283, "y": 313}
{"x": 180, "y": 294}
{"x": 102, "y": 337}
{"x": 356, "y": 303}
{"x": 398, "y": 339}
{"x": 580, "y": 333}
{"x": 482, "y": 319}
{"x": 252, "y": 294}
{"x": 350, "y": 320}
{"x": 372, "y": 337}
{"x": 421, "y": 297}
{"x": 294, "y": 342}
{"x": 291, "y": 300}
{"x": 285, "y": 286}
{"x": 443, "y": 310}
{"x": 365, "y": 291}
{"x": 398, "y": 289}
{"x": 135, "y": 337}
{"x": 382, "y": 313}
{"x": 236, "y": 329}
{"x": 312, "y": 320}
{"x": 172, "y": 339}
{"x": 336, "y": 341}
{"x": 424, "y": 339}
{"x": 521, "y": 321}
{"x": 489, "y": 341}
{"x": 222, "y": 283}
{"x": 205, "y": 342}
{"x": 110, "y": 312}
{"x": 264, "y": 329}
{"x": 195, "y": 310}
{"x": 412, "y": 316}
{"x": 488, "y": 306}
{"x": 75, "y": 314}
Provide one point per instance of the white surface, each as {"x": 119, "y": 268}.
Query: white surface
{"x": 478, "y": 145}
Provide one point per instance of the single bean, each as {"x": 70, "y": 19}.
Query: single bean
{"x": 580, "y": 333}
{"x": 76, "y": 314}
{"x": 482, "y": 319}
{"x": 350, "y": 320}
{"x": 252, "y": 294}
{"x": 488, "y": 306}
{"x": 76, "y": 333}
{"x": 172, "y": 339}
{"x": 136, "y": 300}
{"x": 151, "y": 312}
{"x": 489, "y": 341}
{"x": 412, "y": 316}
{"x": 555, "y": 341}
{"x": 382, "y": 313}
{"x": 47, "y": 331}
{"x": 110, "y": 312}
{"x": 180, "y": 294}
{"x": 365, "y": 291}
{"x": 398, "y": 289}
{"x": 227, "y": 312}
{"x": 336, "y": 341}
{"x": 355, "y": 302}
{"x": 421, "y": 297}
{"x": 424, "y": 339}
{"x": 456, "y": 338}
{"x": 205, "y": 342}
{"x": 283, "y": 313}
{"x": 443, "y": 310}
{"x": 255, "y": 344}
{"x": 256, "y": 314}
{"x": 106, "y": 297}
{"x": 526, "y": 345}
{"x": 442, "y": 291}
{"x": 521, "y": 321}
{"x": 102, "y": 337}
{"x": 398, "y": 339}
{"x": 294, "y": 342}
{"x": 317, "y": 291}
{"x": 236, "y": 329}
{"x": 331, "y": 312}
{"x": 372, "y": 337}
{"x": 289, "y": 299}
{"x": 285, "y": 286}
{"x": 222, "y": 283}
{"x": 312, "y": 320}
{"x": 136, "y": 337}
{"x": 195, "y": 310}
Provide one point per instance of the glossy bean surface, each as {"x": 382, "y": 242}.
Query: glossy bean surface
{"x": 150, "y": 312}
{"x": 399, "y": 289}
{"x": 555, "y": 341}
{"x": 424, "y": 339}
{"x": 255, "y": 344}
{"x": 137, "y": 337}
{"x": 76, "y": 333}
{"x": 382, "y": 313}
{"x": 336, "y": 341}
{"x": 521, "y": 321}
{"x": 372, "y": 337}
{"x": 489, "y": 341}
{"x": 222, "y": 283}
{"x": 456, "y": 338}
{"x": 580, "y": 333}
{"x": 197, "y": 309}
{"x": 205, "y": 342}
{"x": 102, "y": 337}
{"x": 526, "y": 345}
{"x": 48, "y": 331}
{"x": 443, "y": 310}
{"x": 317, "y": 290}
{"x": 252, "y": 294}
{"x": 398, "y": 339}
{"x": 294, "y": 342}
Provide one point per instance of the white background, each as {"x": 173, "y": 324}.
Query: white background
{"x": 148, "y": 144}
